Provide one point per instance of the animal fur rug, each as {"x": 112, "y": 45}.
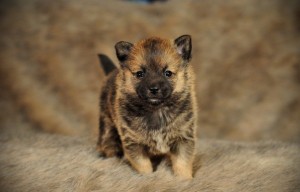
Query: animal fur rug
{"x": 33, "y": 161}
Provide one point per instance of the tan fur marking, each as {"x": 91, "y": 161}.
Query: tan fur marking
{"x": 182, "y": 168}
{"x": 182, "y": 163}
{"x": 141, "y": 163}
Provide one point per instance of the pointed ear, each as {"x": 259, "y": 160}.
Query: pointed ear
{"x": 122, "y": 50}
{"x": 184, "y": 47}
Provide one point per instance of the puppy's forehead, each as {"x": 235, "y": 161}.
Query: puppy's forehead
{"x": 154, "y": 52}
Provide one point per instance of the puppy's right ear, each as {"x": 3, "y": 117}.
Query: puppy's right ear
{"x": 123, "y": 49}
{"x": 184, "y": 47}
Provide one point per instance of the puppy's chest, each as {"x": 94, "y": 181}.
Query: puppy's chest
{"x": 161, "y": 131}
{"x": 159, "y": 142}
{"x": 158, "y": 119}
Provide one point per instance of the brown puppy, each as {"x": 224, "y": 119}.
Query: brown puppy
{"x": 148, "y": 106}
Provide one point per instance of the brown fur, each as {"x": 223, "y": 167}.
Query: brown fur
{"x": 133, "y": 125}
{"x": 247, "y": 81}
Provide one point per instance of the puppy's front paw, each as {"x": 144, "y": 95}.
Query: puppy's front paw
{"x": 145, "y": 170}
{"x": 185, "y": 175}
{"x": 182, "y": 167}
{"x": 110, "y": 152}
{"x": 142, "y": 165}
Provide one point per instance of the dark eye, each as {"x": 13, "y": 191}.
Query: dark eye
{"x": 168, "y": 73}
{"x": 139, "y": 74}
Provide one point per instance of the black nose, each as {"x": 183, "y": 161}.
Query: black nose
{"x": 154, "y": 90}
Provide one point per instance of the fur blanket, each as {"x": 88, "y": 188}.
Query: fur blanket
{"x": 246, "y": 57}
{"x": 44, "y": 162}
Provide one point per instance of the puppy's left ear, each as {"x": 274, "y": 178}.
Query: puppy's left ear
{"x": 184, "y": 47}
{"x": 123, "y": 49}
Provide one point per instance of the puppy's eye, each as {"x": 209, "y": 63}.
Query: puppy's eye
{"x": 168, "y": 73}
{"x": 140, "y": 74}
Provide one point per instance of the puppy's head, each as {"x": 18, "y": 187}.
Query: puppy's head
{"x": 154, "y": 68}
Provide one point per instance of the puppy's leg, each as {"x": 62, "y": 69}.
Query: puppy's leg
{"x": 182, "y": 157}
{"x": 135, "y": 154}
{"x": 109, "y": 143}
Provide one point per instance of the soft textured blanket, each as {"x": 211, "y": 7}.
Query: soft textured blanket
{"x": 43, "y": 162}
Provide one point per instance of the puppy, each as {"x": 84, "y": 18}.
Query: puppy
{"x": 148, "y": 105}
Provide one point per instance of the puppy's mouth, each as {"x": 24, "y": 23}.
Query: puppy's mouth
{"x": 154, "y": 101}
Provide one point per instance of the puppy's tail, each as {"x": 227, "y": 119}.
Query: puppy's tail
{"x": 107, "y": 64}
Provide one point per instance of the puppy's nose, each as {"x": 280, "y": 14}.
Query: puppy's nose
{"x": 154, "y": 90}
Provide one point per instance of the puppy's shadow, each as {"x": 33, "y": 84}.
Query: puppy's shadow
{"x": 156, "y": 161}
{"x": 118, "y": 155}
{"x": 197, "y": 163}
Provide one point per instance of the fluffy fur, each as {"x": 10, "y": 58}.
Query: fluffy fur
{"x": 148, "y": 106}
{"x": 43, "y": 162}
